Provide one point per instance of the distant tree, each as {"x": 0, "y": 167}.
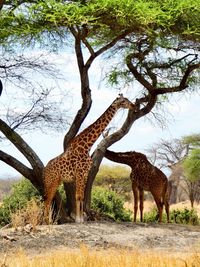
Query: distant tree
{"x": 182, "y": 157}
{"x": 166, "y": 153}
{"x": 192, "y": 165}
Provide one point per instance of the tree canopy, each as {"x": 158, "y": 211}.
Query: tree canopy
{"x": 191, "y": 163}
{"x": 103, "y": 18}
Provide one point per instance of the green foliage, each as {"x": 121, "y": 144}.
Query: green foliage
{"x": 151, "y": 216}
{"x": 113, "y": 172}
{"x": 192, "y": 165}
{"x": 107, "y": 202}
{"x": 117, "y": 75}
{"x": 192, "y": 140}
{"x": 22, "y": 192}
{"x": 185, "y": 216}
{"x": 116, "y": 178}
{"x": 105, "y": 18}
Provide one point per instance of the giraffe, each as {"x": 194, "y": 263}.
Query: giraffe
{"x": 144, "y": 176}
{"x": 74, "y": 164}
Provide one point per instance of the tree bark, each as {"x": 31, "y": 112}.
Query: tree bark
{"x": 1, "y": 4}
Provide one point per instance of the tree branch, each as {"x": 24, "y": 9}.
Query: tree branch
{"x": 85, "y": 92}
{"x": 22, "y": 146}
{"x": 106, "y": 47}
{"x": 1, "y": 4}
{"x": 183, "y": 83}
{"x": 16, "y": 164}
{"x": 138, "y": 76}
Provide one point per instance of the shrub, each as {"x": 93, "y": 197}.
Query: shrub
{"x": 107, "y": 202}
{"x": 116, "y": 178}
{"x": 185, "y": 216}
{"x": 151, "y": 216}
{"x": 22, "y": 192}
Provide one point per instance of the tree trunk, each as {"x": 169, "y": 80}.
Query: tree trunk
{"x": 70, "y": 198}
{"x": 1, "y": 3}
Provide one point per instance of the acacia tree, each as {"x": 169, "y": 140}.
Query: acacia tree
{"x": 167, "y": 153}
{"x": 191, "y": 167}
{"x": 182, "y": 157}
{"x": 141, "y": 32}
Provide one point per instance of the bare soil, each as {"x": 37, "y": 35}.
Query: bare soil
{"x": 170, "y": 238}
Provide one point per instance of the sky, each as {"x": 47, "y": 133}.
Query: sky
{"x": 181, "y": 117}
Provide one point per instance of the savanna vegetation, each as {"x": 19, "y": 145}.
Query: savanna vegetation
{"x": 129, "y": 37}
{"x": 149, "y": 47}
{"x": 112, "y": 188}
{"x": 111, "y": 257}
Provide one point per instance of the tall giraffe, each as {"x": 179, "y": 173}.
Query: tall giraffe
{"x": 74, "y": 164}
{"x": 144, "y": 176}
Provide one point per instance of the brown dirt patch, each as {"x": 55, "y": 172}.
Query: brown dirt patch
{"x": 170, "y": 238}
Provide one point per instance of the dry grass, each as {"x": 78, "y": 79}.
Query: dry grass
{"x": 32, "y": 214}
{"x": 91, "y": 258}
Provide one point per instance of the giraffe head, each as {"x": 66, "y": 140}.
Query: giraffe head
{"x": 123, "y": 102}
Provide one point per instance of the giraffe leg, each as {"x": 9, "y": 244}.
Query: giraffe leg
{"x": 79, "y": 199}
{"x": 159, "y": 204}
{"x": 135, "y": 195}
{"x": 166, "y": 203}
{"x": 141, "y": 194}
{"x": 79, "y": 204}
{"x": 166, "y": 197}
{"x": 79, "y": 210}
{"x": 50, "y": 190}
{"x": 81, "y": 180}
{"x": 167, "y": 210}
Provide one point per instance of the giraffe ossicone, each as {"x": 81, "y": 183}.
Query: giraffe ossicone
{"x": 74, "y": 164}
{"x": 144, "y": 176}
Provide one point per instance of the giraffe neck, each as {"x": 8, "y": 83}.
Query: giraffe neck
{"x": 88, "y": 136}
{"x": 128, "y": 158}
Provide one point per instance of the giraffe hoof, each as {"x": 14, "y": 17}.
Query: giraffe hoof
{"x": 79, "y": 220}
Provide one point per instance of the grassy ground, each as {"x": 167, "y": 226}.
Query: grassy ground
{"x": 88, "y": 257}
{"x": 112, "y": 258}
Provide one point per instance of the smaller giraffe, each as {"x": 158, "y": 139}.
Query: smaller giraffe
{"x": 74, "y": 164}
{"x": 144, "y": 176}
